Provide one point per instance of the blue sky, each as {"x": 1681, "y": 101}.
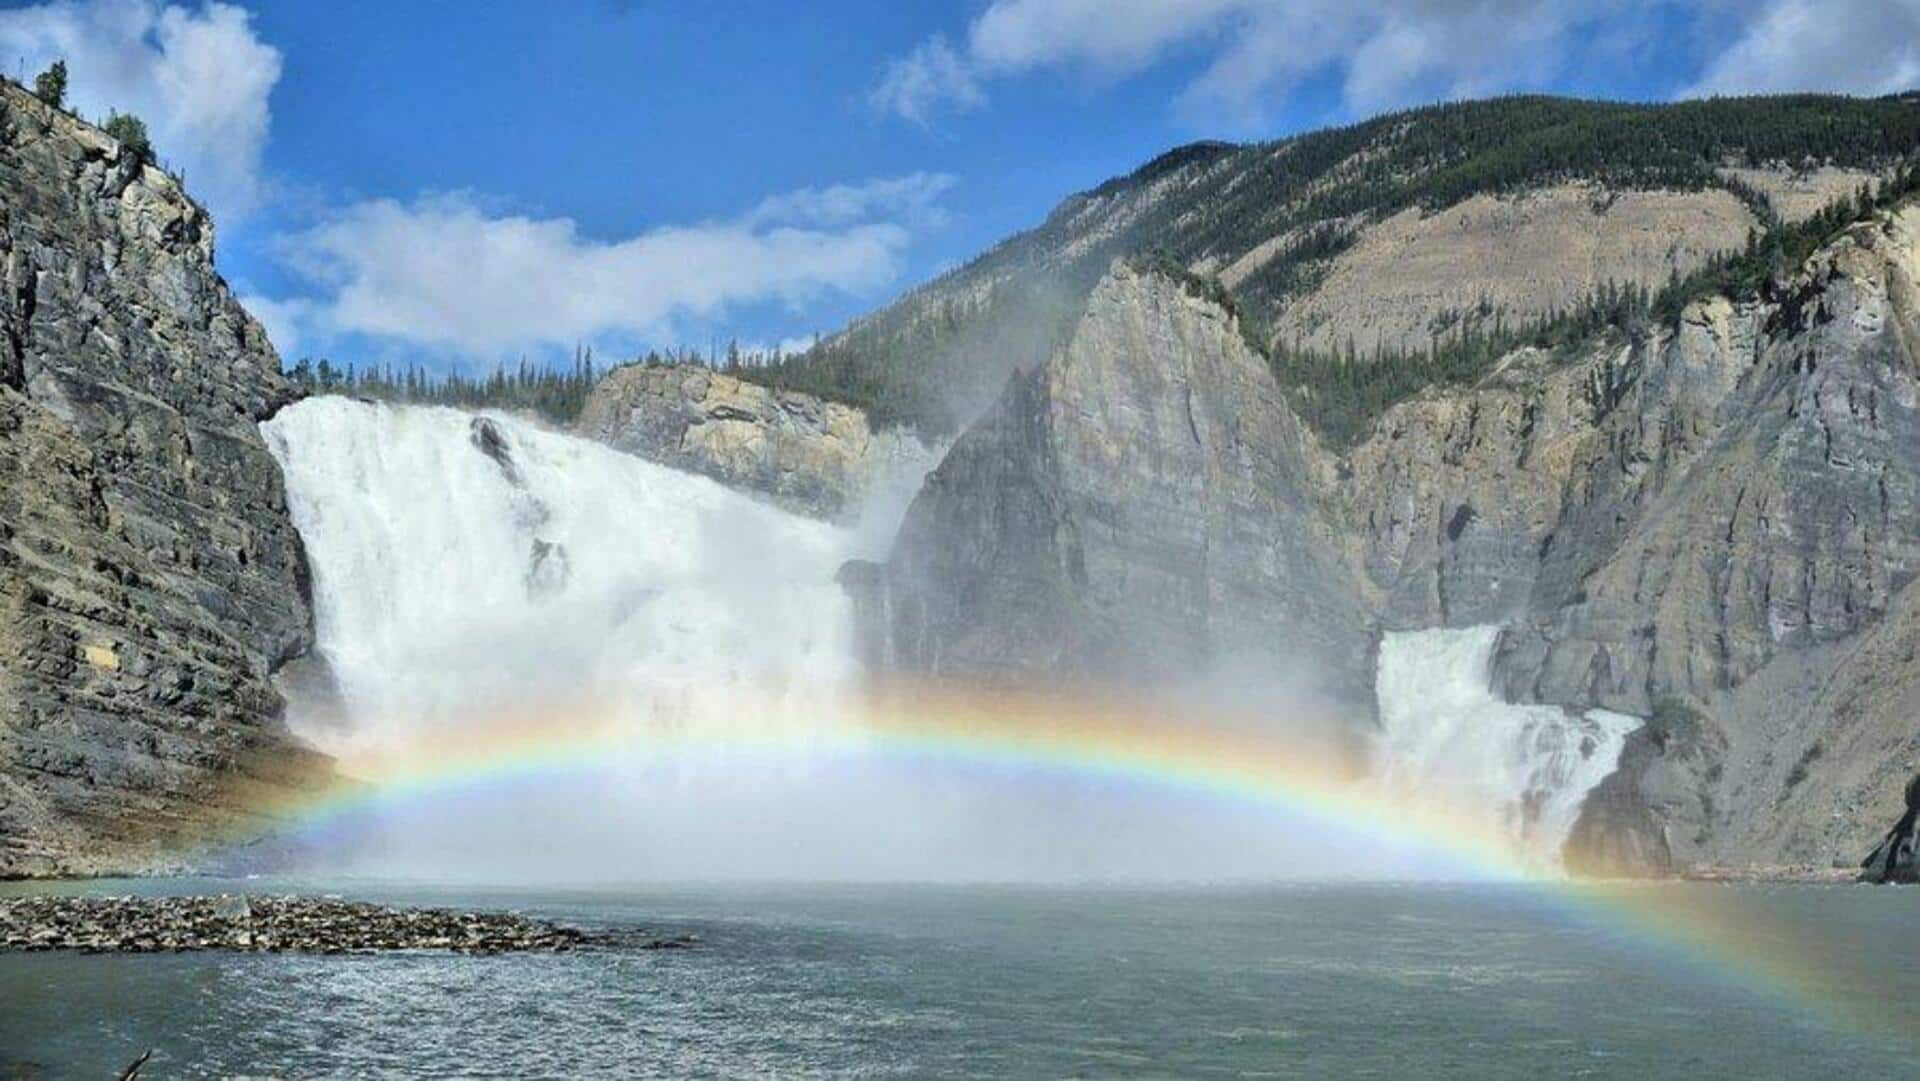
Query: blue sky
{"x": 462, "y": 184}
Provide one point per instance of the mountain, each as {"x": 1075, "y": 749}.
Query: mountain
{"x": 1384, "y": 240}
{"x": 151, "y": 583}
{"x": 1712, "y": 524}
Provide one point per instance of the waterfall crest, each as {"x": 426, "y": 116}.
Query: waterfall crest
{"x": 1443, "y": 728}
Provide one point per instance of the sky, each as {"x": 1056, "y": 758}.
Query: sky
{"x": 464, "y": 184}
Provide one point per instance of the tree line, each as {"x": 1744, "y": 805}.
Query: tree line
{"x": 557, "y": 393}
{"x": 50, "y": 86}
{"x": 554, "y": 392}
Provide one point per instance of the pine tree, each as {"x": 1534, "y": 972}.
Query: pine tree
{"x": 132, "y": 133}
{"x": 50, "y": 85}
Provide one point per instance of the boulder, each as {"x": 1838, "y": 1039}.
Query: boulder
{"x": 1897, "y": 857}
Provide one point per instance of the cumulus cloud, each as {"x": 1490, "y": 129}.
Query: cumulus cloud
{"x": 1254, "y": 51}
{"x": 912, "y": 196}
{"x": 1394, "y": 52}
{"x": 281, "y": 319}
{"x": 446, "y": 272}
{"x": 931, "y": 77}
{"x": 1852, "y": 46}
{"x": 199, "y": 77}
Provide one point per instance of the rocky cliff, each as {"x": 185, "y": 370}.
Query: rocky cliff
{"x": 1712, "y": 525}
{"x": 150, "y": 580}
{"x": 1140, "y": 508}
{"x": 811, "y": 456}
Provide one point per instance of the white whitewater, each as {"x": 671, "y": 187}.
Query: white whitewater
{"x": 452, "y": 577}
{"x": 1444, "y": 730}
{"x": 474, "y": 570}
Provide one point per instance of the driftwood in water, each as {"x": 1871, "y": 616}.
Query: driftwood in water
{"x": 1897, "y": 858}
{"x": 133, "y": 1068}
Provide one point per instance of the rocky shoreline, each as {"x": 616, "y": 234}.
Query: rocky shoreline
{"x": 1768, "y": 872}
{"x": 278, "y": 924}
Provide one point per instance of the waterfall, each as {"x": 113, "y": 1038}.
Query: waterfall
{"x": 469, "y": 568}
{"x": 1443, "y": 729}
{"x": 465, "y": 563}
{"x": 472, "y": 568}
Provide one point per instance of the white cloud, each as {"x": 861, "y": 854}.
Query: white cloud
{"x": 444, "y": 272}
{"x": 198, "y": 77}
{"x": 1254, "y": 51}
{"x": 931, "y": 77}
{"x": 282, "y": 320}
{"x": 912, "y": 196}
{"x": 1853, "y": 46}
{"x": 1117, "y": 36}
{"x": 1393, "y": 53}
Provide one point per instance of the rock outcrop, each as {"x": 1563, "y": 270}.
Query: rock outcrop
{"x": 1716, "y": 522}
{"x": 1140, "y": 508}
{"x": 806, "y": 454}
{"x": 150, "y": 579}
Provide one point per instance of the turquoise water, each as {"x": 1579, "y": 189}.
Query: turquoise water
{"x": 1289, "y": 981}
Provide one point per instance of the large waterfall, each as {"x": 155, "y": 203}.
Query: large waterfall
{"x": 465, "y": 563}
{"x": 1527, "y": 767}
{"x": 472, "y": 568}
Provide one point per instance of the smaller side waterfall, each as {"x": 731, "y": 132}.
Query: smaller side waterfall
{"x": 1443, "y": 729}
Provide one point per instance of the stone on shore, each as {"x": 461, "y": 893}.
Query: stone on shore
{"x": 265, "y": 924}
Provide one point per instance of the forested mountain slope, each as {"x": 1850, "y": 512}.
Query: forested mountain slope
{"x": 1384, "y": 242}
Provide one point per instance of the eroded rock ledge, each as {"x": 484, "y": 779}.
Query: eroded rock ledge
{"x": 270, "y": 925}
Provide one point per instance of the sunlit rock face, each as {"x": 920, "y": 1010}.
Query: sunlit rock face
{"x": 150, "y": 580}
{"x": 810, "y": 456}
{"x": 1141, "y": 508}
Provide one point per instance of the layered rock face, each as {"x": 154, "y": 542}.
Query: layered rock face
{"x": 810, "y": 456}
{"x": 1713, "y": 527}
{"x": 1139, "y": 508}
{"x": 150, "y": 580}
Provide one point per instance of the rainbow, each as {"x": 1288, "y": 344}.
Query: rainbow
{"x": 1088, "y": 737}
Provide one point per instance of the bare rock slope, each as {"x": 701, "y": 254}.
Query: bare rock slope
{"x": 150, "y": 580}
